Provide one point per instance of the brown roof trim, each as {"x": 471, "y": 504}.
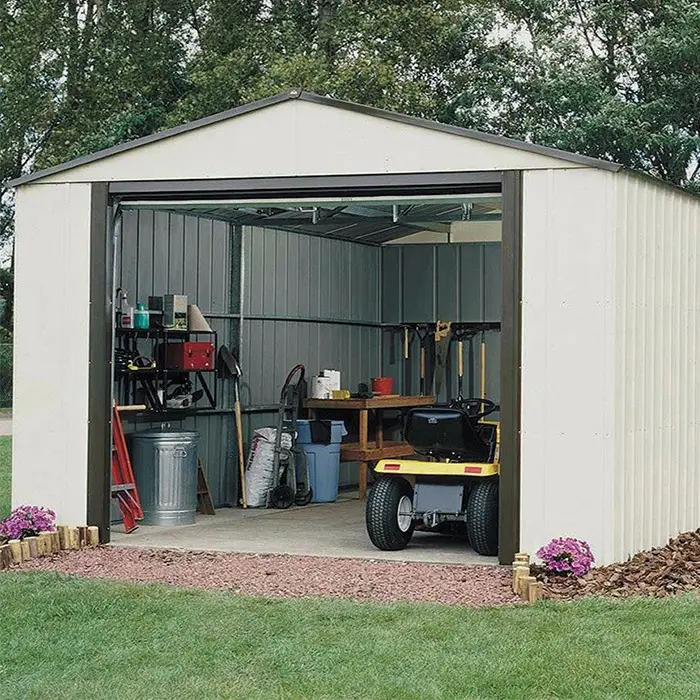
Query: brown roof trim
{"x": 330, "y": 102}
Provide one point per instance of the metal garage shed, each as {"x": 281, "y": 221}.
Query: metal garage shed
{"x": 598, "y": 300}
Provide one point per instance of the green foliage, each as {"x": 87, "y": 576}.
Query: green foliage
{"x": 159, "y": 642}
{"x": 610, "y": 78}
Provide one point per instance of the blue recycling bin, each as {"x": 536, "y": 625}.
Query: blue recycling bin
{"x": 322, "y": 459}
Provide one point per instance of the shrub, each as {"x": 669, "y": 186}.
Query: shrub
{"x": 27, "y": 521}
{"x": 567, "y": 556}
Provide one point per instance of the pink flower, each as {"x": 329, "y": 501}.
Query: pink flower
{"x": 26, "y": 521}
{"x": 567, "y": 556}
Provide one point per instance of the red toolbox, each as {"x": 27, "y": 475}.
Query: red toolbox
{"x": 189, "y": 356}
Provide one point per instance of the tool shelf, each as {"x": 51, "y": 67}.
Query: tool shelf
{"x": 150, "y": 385}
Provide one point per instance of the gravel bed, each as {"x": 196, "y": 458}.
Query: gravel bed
{"x": 288, "y": 576}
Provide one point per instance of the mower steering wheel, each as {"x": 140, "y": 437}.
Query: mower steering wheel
{"x": 473, "y": 406}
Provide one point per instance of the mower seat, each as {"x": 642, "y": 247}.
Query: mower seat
{"x": 446, "y": 433}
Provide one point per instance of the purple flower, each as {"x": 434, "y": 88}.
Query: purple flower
{"x": 26, "y": 521}
{"x": 568, "y": 556}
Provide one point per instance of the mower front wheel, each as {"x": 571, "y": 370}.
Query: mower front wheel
{"x": 482, "y": 517}
{"x": 388, "y": 513}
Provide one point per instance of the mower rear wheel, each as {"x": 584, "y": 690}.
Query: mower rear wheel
{"x": 388, "y": 513}
{"x": 482, "y": 517}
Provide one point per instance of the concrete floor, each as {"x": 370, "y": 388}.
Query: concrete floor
{"x": 323, "y": 529}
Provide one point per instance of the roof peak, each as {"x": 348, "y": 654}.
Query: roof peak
{"x": 300, "y": 94}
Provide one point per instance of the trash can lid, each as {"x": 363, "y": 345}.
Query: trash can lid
{"x": 157, "y": 433}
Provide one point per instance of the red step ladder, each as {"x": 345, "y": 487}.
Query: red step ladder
{"x": 123, "y": 482}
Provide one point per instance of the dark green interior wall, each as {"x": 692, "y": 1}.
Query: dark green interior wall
{"x": 160, "y": 253}
{"x": 315, "y": 294}
{"x": 423, "y": 283}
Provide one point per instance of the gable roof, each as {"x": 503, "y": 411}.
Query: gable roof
{"x": 296, "y": 94}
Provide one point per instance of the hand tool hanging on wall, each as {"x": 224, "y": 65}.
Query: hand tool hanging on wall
{"x": 442, "y": 346}
{"x": 483, "y": 365}
{"x": 229, "y": 368}
{"x": 406, "y": 363}
{"x": 460, "y": 367}
{"x": 471, "y": 367}
{"x": 422, "y": 331}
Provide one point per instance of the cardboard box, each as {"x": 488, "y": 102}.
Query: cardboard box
{"x": 175, "y": 312}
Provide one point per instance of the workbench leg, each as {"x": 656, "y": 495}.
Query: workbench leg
{"x": 379, "y": 431}
{"x": 363, "y": 480}
{"x": 363, "y": 446}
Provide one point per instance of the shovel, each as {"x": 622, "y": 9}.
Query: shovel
{"x": 230, "y": 368}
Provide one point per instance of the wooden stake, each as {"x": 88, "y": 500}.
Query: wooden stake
{"x": 93, "y": 536}
{"x": 73, "y": 538}
{"x": 523, "y": 557}
{"x": 63, "y": 535}
{"x": 26, "y": 554}
{"x": 55, "y": 542}
{"x": 519, "y": 572}
{"x": 534, "y": 591}
{"x": 5, "y": 557}
{"x": 83, "y": 536}
{"x": 525, "y": 584}
{"x": 44, "y": 543}
{"x": 15, "y": 551}
{"x": 33, "y": 544}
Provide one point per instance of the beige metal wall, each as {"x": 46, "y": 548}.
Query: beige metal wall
{"x": 657, "y": 337}
{"x": 51, "y": 349}
{"x": 567, "y": 359}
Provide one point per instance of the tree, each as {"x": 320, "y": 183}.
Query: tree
{"x": 79, "y": 75}
{"x": 608, "y": 78}
{"x": 387, "y": 53}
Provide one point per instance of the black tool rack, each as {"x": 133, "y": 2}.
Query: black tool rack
{"x": 154, "y": 381}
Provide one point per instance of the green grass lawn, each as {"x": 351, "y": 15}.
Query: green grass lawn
{"x": 67, "y": 638}
{"x": 5, "y": 475}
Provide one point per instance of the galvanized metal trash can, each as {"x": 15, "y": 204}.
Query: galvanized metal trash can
{"x": 165, "y": 467}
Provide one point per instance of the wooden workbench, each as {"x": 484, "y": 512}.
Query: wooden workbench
{"x": 365, "y": 451}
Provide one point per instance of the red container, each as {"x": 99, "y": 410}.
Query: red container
{"x": 382, "y": 386}
{"x": 197, "y": 357}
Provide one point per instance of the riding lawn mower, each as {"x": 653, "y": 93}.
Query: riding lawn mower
{"x": 452, "y": 489}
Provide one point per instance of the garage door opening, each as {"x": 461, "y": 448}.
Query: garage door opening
{"x": 353, "y": 284}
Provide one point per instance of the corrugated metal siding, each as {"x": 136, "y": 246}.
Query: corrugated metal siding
{"x": 293, "y": 276}
{"x": 567, "y": 359}
{"x": 423, "y": 283}
{"x": 162, "y": 253}
{"x": 657, "y": 300}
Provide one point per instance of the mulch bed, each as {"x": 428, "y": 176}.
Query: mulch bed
{"x": 287, "y": 576}
{"x": 655, "y": 573}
